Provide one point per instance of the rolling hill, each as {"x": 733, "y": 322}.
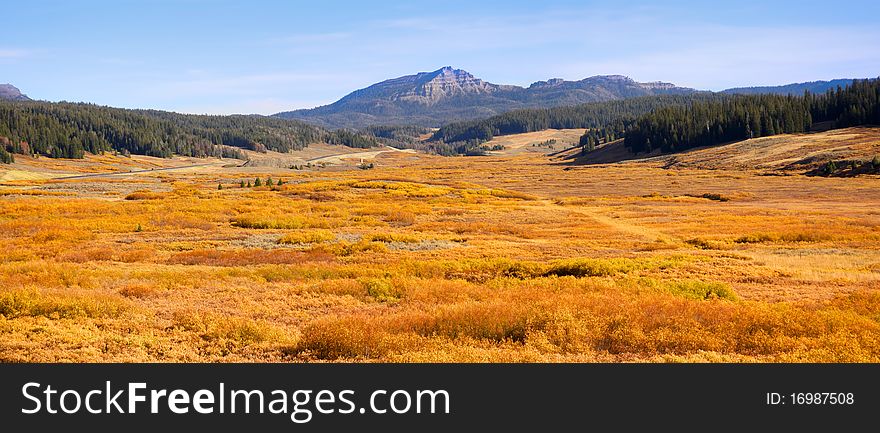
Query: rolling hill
{"x": 793, "y": 153}
{"x": 70, "y": 130}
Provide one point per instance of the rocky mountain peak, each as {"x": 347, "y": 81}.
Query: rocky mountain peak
{"x": 657, "y": 85}
{"x": 444, "y": 83}
{"x": 549, "y": 83}
{"x": 11, "y": 93}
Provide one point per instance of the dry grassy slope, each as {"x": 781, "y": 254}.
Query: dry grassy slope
{"x": 788, "y": 151}
{"x": 799, "y": 152}
{"x": 518, "y": 143}
{"x": 30, "y": 168}
{"x": 313, "y": 152}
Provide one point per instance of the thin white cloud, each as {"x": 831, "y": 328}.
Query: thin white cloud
{"x": 12, "y": 53}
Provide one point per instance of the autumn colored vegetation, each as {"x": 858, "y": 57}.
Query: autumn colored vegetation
{"x": 433, "y": 259}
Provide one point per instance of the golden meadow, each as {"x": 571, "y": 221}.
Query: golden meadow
{"x": 430, "y": 259}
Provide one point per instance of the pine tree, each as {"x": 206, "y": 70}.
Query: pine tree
{"x": 830, "y": 168}
{"x": 6, "y": 157}
{"x": 219, "y": 186}
{"x": 258, "y": 182}
{"x": 269, "y": 181}
{"x": 242, "y": 184}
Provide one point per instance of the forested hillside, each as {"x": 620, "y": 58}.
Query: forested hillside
{"x": 795, "y": 89}
{"x": 606, "y": 119}
{"x": 399, "y": 134}
{"x": 68, "y": 130}
{"x": 710, "y": 122}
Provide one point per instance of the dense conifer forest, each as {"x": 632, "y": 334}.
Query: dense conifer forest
{"x": 399, "y": 134}
{"x": 711, "y": 122}
{"x": 68, "y": 130}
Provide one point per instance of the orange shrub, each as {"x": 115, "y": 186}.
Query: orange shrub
{"x": 342, "y": 337}
{"x": 145, "y": 195}
{"x": 138, "y": 291}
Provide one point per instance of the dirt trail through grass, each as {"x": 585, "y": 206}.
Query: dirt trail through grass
{"x": 622, "y": 225}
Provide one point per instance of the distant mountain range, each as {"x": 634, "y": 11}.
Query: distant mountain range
{"x": 447, "y": 94}
{"x": 792, "y": 89}
{"x": 11, "y": 93}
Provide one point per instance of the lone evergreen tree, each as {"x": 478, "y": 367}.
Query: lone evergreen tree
{"x": 6, "y": 157}
{"x": 219, "y": 186}
{"x": 830, "y": 168}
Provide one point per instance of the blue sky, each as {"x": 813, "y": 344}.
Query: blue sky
{"x": 202, "y": 56}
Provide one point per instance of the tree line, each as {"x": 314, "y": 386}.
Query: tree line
{"x": 612, "y": 117}
{"x": 68, "y": 130}
{"x": 400, "y": 134}
{"x": 739, "y": 117}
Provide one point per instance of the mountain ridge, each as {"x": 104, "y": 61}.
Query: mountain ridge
{"x": 815, "y": 87}
{"x": 448, "y": 94}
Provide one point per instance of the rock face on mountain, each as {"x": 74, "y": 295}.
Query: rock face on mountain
{"x": 11, "y": 93}
{"x": 424, "y": 88}
{"x": 429, "y": 88}
{"x": 447, "y": 94}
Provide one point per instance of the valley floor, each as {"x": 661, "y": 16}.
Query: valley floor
{"x": 509, "y": 257}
